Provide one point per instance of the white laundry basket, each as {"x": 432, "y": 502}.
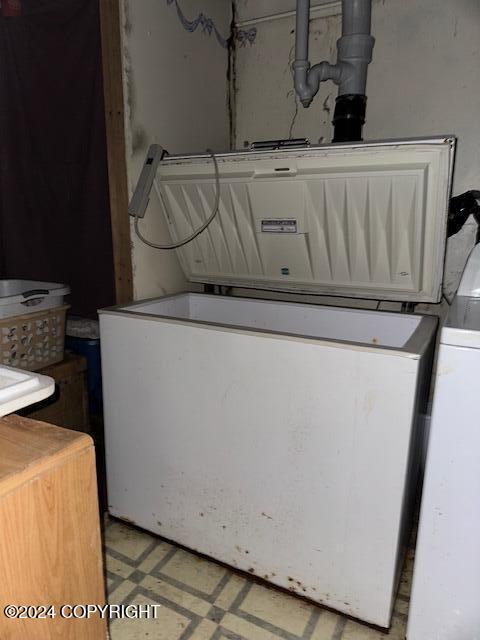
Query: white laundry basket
{"x": 32, "y": 323}
{"x": 18, "y": 297}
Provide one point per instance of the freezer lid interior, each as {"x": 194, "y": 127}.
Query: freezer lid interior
{"x": 365, "y": 220}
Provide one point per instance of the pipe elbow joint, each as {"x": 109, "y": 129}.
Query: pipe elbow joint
{"x": 307, "y": 80}
{"x": 323, "y": 71}
{"x": 301, "y": 70}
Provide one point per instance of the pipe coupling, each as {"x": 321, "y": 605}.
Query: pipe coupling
{"x": 354, "y": 56}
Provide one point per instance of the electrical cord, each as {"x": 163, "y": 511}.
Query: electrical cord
{"x": 197, "y": 232}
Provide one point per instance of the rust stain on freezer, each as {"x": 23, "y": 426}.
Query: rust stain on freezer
{"x": 369, "y": 403}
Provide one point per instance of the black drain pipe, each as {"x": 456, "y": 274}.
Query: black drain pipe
{"x": 349, "y": 73}
{"x": 349, "y": 117}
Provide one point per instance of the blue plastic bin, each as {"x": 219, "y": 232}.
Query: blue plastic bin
{"x": 90, "y": 349}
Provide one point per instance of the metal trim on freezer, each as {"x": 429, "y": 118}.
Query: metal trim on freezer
{"x": 388, "y": 142}
{"x": 415, "y": 346}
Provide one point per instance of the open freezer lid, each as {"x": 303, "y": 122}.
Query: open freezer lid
{"x": 366, "y": 220}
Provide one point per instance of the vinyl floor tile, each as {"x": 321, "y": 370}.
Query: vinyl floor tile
{"x": 202, "y": 600}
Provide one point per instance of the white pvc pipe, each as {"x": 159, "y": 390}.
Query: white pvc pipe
{"x": 354, "y": 52}
{"x": 324, "y": 10}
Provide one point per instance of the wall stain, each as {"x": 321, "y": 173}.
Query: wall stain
{"x": 139, "y": 139}
{"x": 291, "y": 58}
{"x": 326, "y": 105}
{"x": 127, "y": 22}
{"x": 369, "y": 403}
{"x": 232, "y": 89}
{"x": 129, "y": 85}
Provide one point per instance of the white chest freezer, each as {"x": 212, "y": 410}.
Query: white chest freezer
{"x": 278, "y": 437}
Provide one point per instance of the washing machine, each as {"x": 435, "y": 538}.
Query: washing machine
{"x": 445, "y": 603}
{"x": 279, "y": 436}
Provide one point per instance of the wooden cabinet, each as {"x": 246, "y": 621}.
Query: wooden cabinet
{"x": 69, "y": 407}
{"x": 50, "y": 546}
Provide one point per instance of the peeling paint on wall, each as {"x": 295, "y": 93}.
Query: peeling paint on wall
{"x": 207, "y": 25}
{"x": 246, "y": 36}
{"x": 203, "y": 21}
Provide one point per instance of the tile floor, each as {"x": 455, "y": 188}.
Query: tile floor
{"x": 202, "y": 600}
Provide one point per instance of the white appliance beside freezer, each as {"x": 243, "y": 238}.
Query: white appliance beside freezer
{"x": 445, "y": 603}
{"x": 278, "y": 437}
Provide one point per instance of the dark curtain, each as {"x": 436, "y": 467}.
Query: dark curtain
{"x": 54, "y": 207}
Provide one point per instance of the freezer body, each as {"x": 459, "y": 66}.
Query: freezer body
{"x": 282, "y": 439}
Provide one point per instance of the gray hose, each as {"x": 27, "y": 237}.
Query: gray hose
{"x": 181, "y": 243}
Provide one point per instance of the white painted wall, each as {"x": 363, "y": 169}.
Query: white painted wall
{"x": 175, "y": 87}
{"x": 424, "y": 80}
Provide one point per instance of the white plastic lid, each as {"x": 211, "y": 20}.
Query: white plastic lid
{"x": 18, "y": 389}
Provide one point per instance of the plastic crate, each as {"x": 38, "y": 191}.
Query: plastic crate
{"x": 33, "y": 340}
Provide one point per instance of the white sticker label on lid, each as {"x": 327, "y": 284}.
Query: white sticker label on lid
{"x": 279, "y": 226}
